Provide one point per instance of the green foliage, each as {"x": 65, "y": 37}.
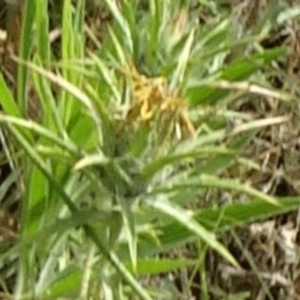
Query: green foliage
{"x": 104, "y": 197}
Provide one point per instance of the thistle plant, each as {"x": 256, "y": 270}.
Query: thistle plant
{"x": 133, "y": 132}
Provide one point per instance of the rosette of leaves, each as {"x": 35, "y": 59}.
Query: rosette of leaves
{"x": 116, "y": 173}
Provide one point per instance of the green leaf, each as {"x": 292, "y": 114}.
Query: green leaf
{"x": 158, "y": 266}
{"x": 217, "y": 220}
{"x": 239, "y": 70}
{"x": 189, "y": 223}
{"x": 7, "y": 101}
